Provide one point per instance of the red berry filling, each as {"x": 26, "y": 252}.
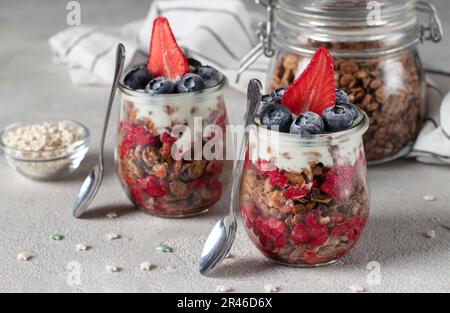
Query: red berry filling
{"x": 303, "y": 220}
{"x": 339, "y": 182}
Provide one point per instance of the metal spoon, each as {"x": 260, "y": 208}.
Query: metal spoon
{"x": 92, "y": 183}
{"x": 221, "y": 239}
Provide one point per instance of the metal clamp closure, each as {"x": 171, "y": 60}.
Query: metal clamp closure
{"x": 434, "y": 30}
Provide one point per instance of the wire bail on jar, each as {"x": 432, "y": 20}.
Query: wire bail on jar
{"x": 431, "y": 32}
{"x": 434, "y": 31}
{"x": 264, "y": 33}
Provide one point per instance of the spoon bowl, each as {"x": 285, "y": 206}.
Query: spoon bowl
{"x": 222, "y": 235}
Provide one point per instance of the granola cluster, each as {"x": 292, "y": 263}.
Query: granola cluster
{"x": 389, "y": 88}
{"x": 311, "y": 217}
{"x": 158, "y": 183}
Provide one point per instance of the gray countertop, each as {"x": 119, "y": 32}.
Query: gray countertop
{"x": 393, "y": 244}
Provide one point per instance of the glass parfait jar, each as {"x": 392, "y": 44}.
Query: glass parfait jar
{"x": 160, "y": 149}
{"x": 374, "y": 44}
{"x": 305, "y": 201}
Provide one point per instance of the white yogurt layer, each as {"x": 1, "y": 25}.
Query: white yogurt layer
{"x": 286, "y": 153}
{"x": 183, "y": 113}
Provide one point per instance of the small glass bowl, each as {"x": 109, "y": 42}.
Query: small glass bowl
{"x": 48, "y": 164}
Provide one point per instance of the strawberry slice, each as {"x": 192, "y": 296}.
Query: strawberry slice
{"x": 165, "y": 58}
{"x": 314, "y": 90}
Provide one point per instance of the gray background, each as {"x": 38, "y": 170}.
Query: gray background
{"x": 30, "y": 212}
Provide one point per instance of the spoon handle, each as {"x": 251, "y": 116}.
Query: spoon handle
{"x": 253, "y": 99}
{"x": 120, "y": 61}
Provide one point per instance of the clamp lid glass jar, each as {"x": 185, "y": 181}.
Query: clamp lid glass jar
{"x": 374, "y": 44}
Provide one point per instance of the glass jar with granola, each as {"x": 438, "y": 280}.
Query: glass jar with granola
{"x": 170, "y": 148}
{"x": 305, "y": 201}
{"x": 304, "y": 196}
{"x": 158, "y": 178}
{"x": 375, "y": 47}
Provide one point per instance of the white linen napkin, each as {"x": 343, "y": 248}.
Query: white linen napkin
{"x": 218, "y": 33}
{"x": 433, "y": 144}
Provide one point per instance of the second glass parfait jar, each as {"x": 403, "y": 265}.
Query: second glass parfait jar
{"x": 374, "y": 45}
{"x": 161, "y": 177}
{"x": 304, "y": 201}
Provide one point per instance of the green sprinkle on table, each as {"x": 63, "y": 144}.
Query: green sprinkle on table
{"x": 57, "y": 237}
{"x": 164, "y": 248}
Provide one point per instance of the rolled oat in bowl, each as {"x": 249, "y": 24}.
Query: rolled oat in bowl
{"x": 45, "y": 149}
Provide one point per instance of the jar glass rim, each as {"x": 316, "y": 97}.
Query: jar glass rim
{"x": 359, "y": 128}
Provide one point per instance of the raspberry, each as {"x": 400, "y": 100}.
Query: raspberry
{"x": 300, "y": 235}
{"x": 153, "y": 186}
{"x": 124, "y": 148}
{"x": 136, "y": 135}
{"x": 271, "y": 231}
{"x": 319, "y": 235}
{"x": 312, "y": 219}
{"x": 312, "y": 233}
{"x": 296, "y": 192}
{"x": 339, "y": 182}
{"x": 263, "y": 167}
{"x": 197, "y": 184}
{"x": 166, "y": 151}
{"x": 351, "y": 229}
{"x": 168, "y": 138}
{"x": 136, "y": 195}
{"x": 276, "y": 178}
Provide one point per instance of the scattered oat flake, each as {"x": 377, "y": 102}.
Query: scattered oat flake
{"x": 113, "y": 268}
{"x": 164, "y": 248}
{"x": 271, "y": 288}
{"x": 82, "y": 247}
{"x": 113, "y": 236}
{"x": 112, "y": 215}
{"x": 430, "y": 234}
{"x": 23, "y": 256}
{"x": 147, "y": 266}
{"x": 357, "y": 288}
{"x": 429, "y": 197}
{"x": 224, "y": 289}
{"x": 57, "y": 237}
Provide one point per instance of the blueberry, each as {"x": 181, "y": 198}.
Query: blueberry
{"x": 210, "y": 75}
{"x": 138, "y": 78}
{"x": 308, "y": 123}
{"x": 160, "y": 86}
{"x": 278, "y": 94}
{"x": 265, "y": 102}
{"x": 276, "y": 115}
{"x": 338, "y": 118}
{"x": 341, "y": 97}
{"x": 194, "y": 63}
{"x": 354, "y": 110}
{"x": 190, "y": 83}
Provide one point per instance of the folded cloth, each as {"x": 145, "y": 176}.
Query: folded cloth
{"x": 433, "y": 144}
{"x": 216, "y": 32}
